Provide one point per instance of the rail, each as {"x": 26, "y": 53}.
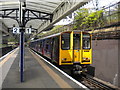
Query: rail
{"x": 94, "y": 83}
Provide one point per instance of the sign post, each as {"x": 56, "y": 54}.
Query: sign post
{"x": 23, "y": 19}
{"x": 22, "y": 30}
{"x": 21, "y": 55}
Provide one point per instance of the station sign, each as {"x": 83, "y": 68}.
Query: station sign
{"x": 28, "y": 30}
{"x": 16, "y": 30}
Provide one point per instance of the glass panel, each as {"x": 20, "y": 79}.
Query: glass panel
{"x": 65, "y": 41}
{"x": 86, "y": 41}
{"x": 76, "y": 41}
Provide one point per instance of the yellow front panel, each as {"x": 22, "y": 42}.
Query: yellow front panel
{"x": 86, "y": 56}
{"x": 65, "y": 56}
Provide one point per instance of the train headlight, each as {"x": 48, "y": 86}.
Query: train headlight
{"x": 64, "y": 58}
{"x": 86, "y": 58}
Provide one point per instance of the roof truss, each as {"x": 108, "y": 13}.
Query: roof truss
{"x": 29, "y": 14}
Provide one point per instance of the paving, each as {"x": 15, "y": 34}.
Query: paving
{"x": 37, "y": 74}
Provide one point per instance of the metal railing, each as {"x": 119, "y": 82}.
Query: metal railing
{"x": 111, "y": 15}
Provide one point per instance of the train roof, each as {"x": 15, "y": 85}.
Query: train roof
{"x": 55, "y": 35}
{"x": 48, "y": 37}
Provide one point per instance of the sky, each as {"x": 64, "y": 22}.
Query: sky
{"x": 89, "y": 5}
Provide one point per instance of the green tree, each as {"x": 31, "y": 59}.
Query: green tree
{"x": 93, "y": 20}
{"x": 12, "y": 39}
{"x": 57, "y": 27}
{"x": 81, "y": 14}
{"x": 88, "y": 20}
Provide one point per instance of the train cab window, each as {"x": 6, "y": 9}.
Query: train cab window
{"x": 65, "y": 41}
{"x": 76, "y": 41}
{"x": 86, "y": 41}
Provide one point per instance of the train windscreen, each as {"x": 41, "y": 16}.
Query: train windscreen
{"x": 65, "y": 41}
{"x": 76, "y": 41}
{"x": 86, "y": 41}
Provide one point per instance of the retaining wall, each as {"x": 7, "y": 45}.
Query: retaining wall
{"x": 106, "y": 60}
{"x": 5, "y": 50}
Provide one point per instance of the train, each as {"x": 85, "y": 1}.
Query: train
{"x": 70, "y": 48}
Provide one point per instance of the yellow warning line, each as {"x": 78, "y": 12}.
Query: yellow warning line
{"x": 7, "y": 58}
{"x": 55, "y": 76}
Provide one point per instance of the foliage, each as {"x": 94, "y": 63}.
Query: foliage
{"x": 86, "y": 19}
{"x": 52, "y": 31}
{"x": 12, "y": 39}
{"x": 92, "y": 20}
{"x": 3, "y": 45}
{"x": 56, "y": 27}
{"x": 81, "y": 14}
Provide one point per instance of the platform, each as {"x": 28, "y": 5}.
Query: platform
{"x": 37, "y": 74}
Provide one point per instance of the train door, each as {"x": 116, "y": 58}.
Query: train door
{"x": 55, "y": 49}
{"x": 76, "y": 47}
{"x": 43, "y": 46}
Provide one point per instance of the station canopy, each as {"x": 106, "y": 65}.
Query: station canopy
{"x": 47, "y": 6}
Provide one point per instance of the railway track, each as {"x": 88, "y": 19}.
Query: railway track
{"x": 92, "y": 83}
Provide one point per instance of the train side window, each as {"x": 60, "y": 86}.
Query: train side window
{"x": 47, "y": 42}
{"x": 40, "y": 44}
{"x": 86, "y": 41}
{"x": 65, "y": 41}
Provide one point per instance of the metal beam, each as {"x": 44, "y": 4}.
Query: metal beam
{"x": 63, "y": 10}
{"x": 35, "y": 15}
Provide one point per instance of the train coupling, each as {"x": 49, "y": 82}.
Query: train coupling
{"x": 77, "y": 72}
{"x": 77, "y": 69}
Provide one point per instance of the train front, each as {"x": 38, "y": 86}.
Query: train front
{"x": 76, "y": 50}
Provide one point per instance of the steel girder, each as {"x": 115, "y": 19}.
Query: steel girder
{"x": 29, "y": 15}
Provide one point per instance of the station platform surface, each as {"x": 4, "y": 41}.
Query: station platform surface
{"x": 37, "y": 74}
